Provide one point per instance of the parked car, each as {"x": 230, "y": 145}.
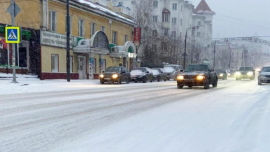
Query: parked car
{"x": 222, "y": 74}
{"x": 115, "y": 75}
{"x": 264, "y": 75}
{"x": 142, "y": 74}
{"x": 245, "y": 73}
{"x": 197, "y": 75}
{"x": 172, "y": 70}
{"x": 163, "y": 74}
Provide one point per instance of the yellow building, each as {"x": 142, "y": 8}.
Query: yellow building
{"x": 99, "y": 37}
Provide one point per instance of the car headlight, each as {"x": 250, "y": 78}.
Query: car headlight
{"x": 250, "y": 73}
{"x": 229, "y": 74}
{"x": 115, "y": 76}
{"x": 180, "y": 77}
{"x": 101, "y": 75}
{"x": 200, "y": 77}
{"x": 238, "y": 73}
{"x": 221, "y": 75}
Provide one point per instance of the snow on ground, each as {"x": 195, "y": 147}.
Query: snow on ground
{"x": 233, "y": 119}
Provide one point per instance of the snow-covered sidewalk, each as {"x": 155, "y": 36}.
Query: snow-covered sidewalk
{"x": 27, "y": 85}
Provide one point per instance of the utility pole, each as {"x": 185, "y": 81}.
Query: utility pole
{"x": 230, "y": 55}
{"x": 214, "y": 55}
{"x": 68, "y": 42}
{"x": 13, "y": 45}
{"x": 185, "y": 53}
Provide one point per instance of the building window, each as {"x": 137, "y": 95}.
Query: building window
{"x": 114, "y": 37}
{"x": 174, "y": 34}
{"x": 174, "y": 20}
{"x": 199, "y": 23}
{"x": 126, "y": 38}
{"x": 81, "y": 27}
{"x": 166, "y": 17}
{"x": 193, "y": 32}
{"x": 154, "y": 33}
{"x": 71, "y": 64}
{"x": 181, "y": 22}
{"x": 181, "y": 8}
{"x": 155, "y": 19}
{"x": 155, "y": 3}
{"x": 52, "y": 20}
{"x": 133, "y": 2}
{"x": 55, "y": 62}
{"x": 93, "y": 25}
{"x": 103, "y": 29}
{"x": 121, "y": 3}
{"x": 70, "y": 25}
{"x": 180, "y": 35}
{"x": 166, "y": 32}
{"x": 198, "y": 34}
{"x": 174, "y": 6}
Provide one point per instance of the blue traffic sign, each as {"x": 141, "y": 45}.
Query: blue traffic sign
{"x": 12, "y": 35}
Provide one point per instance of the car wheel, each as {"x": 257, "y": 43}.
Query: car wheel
{"x": 101, "y": 82}
{"x": 237, "y": 79}
{"x": 136, "y": 81}
{"x": 190, "y": 86}
{"x": 119, "y": 81}
{"x": 259, "y": 82}
{"x": 215, "y": 84}
{"x": 179, "y": 86}
{"x": 206, "y": 85}
{"x": 128, "y": 80}
{"x": 165, "y": 79}
{"x": 144, "y": 80}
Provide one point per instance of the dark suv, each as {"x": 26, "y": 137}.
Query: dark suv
{"x": 197, "y": 75}
{"x": 142, "y": 74}
{"x": 115, "y": 74}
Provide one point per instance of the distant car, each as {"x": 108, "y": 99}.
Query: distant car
{"x": 222, "y": 74}
{"x": 172, "y": 70}
{"x": 264, "y": 75}
{"x": 163, "y": 74}
{"x": 245, "y": 73}
{"x": 171, "y": 73}
{"x": 142, "y": 74}
{"x": 115, "y": 75}
{"x": 231, "y": 73}
{"x": 197, "y": 75}
{"x": 158, "y": 75}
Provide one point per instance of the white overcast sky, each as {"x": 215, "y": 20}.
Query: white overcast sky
{"x": 240, "y": 18}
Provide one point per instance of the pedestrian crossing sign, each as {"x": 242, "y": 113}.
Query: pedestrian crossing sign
{"x": 12, "y": 35}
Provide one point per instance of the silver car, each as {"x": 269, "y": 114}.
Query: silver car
{"x": 264, "y": 75}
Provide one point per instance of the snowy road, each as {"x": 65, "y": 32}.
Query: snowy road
{"x": 152, "y": 117}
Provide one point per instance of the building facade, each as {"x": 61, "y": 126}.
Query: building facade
{"x": 99, "y": 37}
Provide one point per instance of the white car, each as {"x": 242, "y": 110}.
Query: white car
{"x": 264, "y": 75}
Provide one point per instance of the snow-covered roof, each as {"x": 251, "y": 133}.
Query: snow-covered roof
{"x": 105, "y": 10}
{"x": 203, "y": 8}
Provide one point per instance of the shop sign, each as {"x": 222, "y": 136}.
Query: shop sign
{"x": 137, "y": 36}
{"x": 54, "y": 39}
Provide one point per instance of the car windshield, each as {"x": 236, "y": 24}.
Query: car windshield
{"x": 169, "y": 69}
{"x": 246, "y": 69}
{"x": 136, "y": 72}
{"x": 155, "y": 72}
{"x": 191, "y": 68}
{"x": 113, "y": 69}
{"x": 266, "y": 69}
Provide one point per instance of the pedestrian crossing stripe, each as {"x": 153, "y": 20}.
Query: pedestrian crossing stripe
{"x": 12, "y": 35}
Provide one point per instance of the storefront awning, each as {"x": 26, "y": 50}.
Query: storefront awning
{"x": 98, "y": 44}
{"x": 128, "y": 50}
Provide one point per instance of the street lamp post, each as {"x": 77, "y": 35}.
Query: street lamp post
{"x": 185, "y": 53}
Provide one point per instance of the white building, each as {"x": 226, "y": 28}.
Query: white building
{"x": 176, "y": 16}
